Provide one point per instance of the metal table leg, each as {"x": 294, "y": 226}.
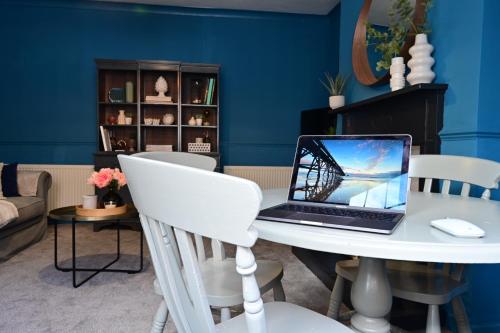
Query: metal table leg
{"x": 96, "y": 271}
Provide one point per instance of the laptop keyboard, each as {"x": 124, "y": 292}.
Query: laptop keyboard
{"x": 340, "y": 212}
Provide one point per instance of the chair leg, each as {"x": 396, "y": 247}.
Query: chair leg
{"x": 433, "y": 324}
{"x": 336, "y": 298}
{"x": 225, "y": 314}
{"x": 160, "y": 318}
{"x": 460, "y": 315}
{"x": 278, "y": 292}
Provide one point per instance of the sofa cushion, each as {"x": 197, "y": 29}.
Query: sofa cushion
{"x": 9, "y": 180}
{"x": 27, "y": 182}
{"x": 28, "y": 207}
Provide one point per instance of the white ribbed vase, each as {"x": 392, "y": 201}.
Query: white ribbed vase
{"x": 397, "y": 71}
{"x": 421, "y": 61}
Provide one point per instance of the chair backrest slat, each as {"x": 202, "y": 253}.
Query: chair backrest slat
{"x": 427, "y": 185}
{"x": 200, "y": 248}
{"x": 446, "y": 187}
{"x": 486, "y": 194}
{"x": 175, "y": 200}
{"x": 465, "y": 190}
{"x": 165, "y": 274}
{"x": 200, "y": 306}
{"x": 219, "y": 253}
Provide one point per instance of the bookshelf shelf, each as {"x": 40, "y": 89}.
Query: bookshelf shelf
{"x": 194, "y": 126}
{"x": 160, "y": 126}
{"x": 200, "y": 105}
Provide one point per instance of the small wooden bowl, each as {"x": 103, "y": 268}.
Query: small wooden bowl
{"x": 100, "y": 211}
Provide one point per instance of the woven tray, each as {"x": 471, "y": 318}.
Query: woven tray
{"x": 100, "y": 211}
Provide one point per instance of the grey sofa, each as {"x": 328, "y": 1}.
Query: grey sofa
{"x": 31, "y": 225}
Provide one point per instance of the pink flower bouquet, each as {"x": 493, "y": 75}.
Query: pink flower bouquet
{"x": 107, "y": 177}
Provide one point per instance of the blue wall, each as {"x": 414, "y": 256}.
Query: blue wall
{"x": 271, "y": 65}
{"x": 465, "y": 35}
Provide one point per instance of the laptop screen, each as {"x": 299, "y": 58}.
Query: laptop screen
{"x": 356, "y": 171}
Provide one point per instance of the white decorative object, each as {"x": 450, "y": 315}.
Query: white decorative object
{"x": 168, "y": 119}
{"x": 121, "y": 117}
{"x": 192, "y": 121}
{"x": 198, "y": 140}
{"x": 336, "y": 101}
{"x": 421, "y": 61}
{"x": 194, "y": 147}
{"x": 156, "y": 121}
{"x": 128, "y": 120}
{"x": 397, "y": 71}
{"x": 199, "y": 121}
{"x": 89, "y": 202}
{"x": 148, "y": 121}
{"x": 161, "y": 86}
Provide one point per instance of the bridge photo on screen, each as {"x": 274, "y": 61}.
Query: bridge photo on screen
{"x": 356, "y": 172}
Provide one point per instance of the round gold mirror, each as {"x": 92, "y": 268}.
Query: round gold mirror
{"x": 375, "y": 13}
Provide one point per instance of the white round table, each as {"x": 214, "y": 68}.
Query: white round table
{"x": 413, "y": 240}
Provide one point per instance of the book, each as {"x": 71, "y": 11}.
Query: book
{"x": 106, "y": 141}
{"x": 210, "y": 91}
{"x": 207, "y": 85}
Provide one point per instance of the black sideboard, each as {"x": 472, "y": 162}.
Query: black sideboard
{"x": 415, "y": 110}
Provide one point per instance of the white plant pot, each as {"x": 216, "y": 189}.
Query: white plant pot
{"x": 336, "y": 101}
{"x": 397, "y": 71}
{"x": 421, "y": 61}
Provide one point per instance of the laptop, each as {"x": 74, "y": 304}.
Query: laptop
{"x": 347, "y": 182}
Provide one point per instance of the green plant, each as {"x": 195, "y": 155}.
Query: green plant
{"x": 335, "y": 86}
{"x": 389, "y": 42}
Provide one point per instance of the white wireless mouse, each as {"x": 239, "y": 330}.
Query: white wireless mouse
{"x": 458, "y": 228}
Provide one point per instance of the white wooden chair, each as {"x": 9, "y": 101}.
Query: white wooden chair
{"x": 222, "y": 282}
{"x": 428, "y": 284}
{"x": 217, "y": 206}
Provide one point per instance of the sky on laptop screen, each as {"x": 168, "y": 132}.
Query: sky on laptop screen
{"x": 355, "y": 172}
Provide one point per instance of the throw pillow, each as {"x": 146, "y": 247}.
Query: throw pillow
{"x": 1, "y": 193}
{"x": 27, "y": 183}
{"x": 9, "y": 180}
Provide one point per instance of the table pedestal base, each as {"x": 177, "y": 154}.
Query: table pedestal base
{"x": 371, "y": 297}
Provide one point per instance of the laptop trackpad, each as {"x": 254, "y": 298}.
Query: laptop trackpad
{"x": 328, "y": 219}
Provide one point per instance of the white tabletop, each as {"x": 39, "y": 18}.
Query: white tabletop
{"x": 413, "y": 240}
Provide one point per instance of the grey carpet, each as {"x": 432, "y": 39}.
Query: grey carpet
{"x": 35, "y": 297}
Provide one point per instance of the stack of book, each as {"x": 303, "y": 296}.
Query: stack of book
{"x": 159, "y": 99}
{"x": 159, "y": 148}
{"x": 209, "y": 93}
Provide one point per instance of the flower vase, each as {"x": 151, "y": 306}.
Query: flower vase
{"x": 397, "y": 71}
{"x": 421, "y": 61}
{"x": 112, "y": 199}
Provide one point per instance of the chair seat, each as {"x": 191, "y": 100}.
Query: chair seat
{"x": 289, "y": 318}
{"x": 411, "y": 281}
{"x": 223, "y": 283}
